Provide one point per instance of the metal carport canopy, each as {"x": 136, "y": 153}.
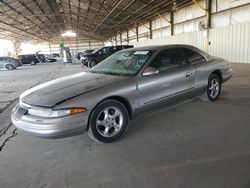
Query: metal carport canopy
{"x": 45, "y": 20}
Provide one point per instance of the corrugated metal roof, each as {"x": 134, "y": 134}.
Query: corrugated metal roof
{"x": 90, "y": 19}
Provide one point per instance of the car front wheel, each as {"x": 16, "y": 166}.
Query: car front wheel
{"x": 213, "y": 90}
{"x": 108, "y": 121}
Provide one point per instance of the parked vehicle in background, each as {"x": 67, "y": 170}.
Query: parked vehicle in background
{"x": 41, "y": 58}
{"x": 49, "y": 58}
{"x": 79, "y": 55}
{"x": 9, "y": 63}
{"x": 100, "y": 54}
{"x": 86, "y": 52}
{"x": 103, "y": 100}
{"x": 28, "y": 59}
{"x": 55, "y": 55}
{"x": 83, "y": 55}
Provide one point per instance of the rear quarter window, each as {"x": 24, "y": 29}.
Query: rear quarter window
{"x": 193, "y": 57}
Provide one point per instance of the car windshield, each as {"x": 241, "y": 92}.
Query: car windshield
{"x": 127, "y": 63}
{"x": 96, "y": 50}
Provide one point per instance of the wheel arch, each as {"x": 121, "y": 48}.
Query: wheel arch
{"x": 218, "y": 73}
{"x": 122, "y": 100}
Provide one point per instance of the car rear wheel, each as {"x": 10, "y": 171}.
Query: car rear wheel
{"x": 9, "y": 67}
{"x": 213, "y": 90}
{"x": 108, "y": 121}
{"x": 91, "y": 63}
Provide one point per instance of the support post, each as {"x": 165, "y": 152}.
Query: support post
{"x": 209, "y": 10}
{"x": 137, "y": 35}
{"x": 172, "y": 23}
{"x": 128, "y": 36}
{"x": 150, "y": 30}
{"x": 17, "y": 48}
{"x": 120, "y": 37}
{"x": 115, "y": 40}
{"x": 49, "y": 49}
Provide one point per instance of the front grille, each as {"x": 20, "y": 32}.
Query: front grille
{"x": 20, "y": 111}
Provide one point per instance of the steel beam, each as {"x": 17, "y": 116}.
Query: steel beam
{"x": 110, "y": 12}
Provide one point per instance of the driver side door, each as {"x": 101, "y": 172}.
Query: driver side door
{"x": 175, "y": 77}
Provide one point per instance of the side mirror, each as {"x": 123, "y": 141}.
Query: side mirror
{"x": 150, "y": 71}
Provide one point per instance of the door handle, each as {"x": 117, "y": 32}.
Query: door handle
{"x": 188, "y": 74}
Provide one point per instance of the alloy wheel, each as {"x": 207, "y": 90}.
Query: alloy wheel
{"x": 214, "y": 88}
{"x": 109, "y": 121}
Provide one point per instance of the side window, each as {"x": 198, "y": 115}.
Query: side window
{"x": 112, "y": 49}
{"x": 193, "y": 57}
{"x": 119, "y": 48}
{"x": 103, "y": 51}
{"x": 169, "y": 60}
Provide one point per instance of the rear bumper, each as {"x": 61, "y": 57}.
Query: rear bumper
{"x": 51, "y": 127}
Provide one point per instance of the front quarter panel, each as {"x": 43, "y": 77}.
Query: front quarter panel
{"x": 126, "y": 89}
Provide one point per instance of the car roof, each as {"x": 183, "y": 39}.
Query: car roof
{"x": 6, "y": 57}
{"x": 159, "y": 47}
{"x": 162, "y": 47}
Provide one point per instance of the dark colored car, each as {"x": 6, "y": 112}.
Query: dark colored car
{"x": 28, "y": 59}
{"x": 102, "y": 53}
{"x": 79, "y": 55}
{"x": 41, "y": 58}
{"x": 86, "y": 52}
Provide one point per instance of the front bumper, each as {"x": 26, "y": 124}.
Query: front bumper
{"x": 84, "y": 61}
{"x": 50, "y": 127}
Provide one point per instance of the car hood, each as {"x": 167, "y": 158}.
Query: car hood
{"x": 53, "y": 92}
{"x": 89, "y": 55}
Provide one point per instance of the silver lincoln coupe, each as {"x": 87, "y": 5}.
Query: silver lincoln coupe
{"x": 102, "y": 100}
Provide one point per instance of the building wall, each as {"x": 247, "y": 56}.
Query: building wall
{"x": 6, "y": 48}
{"x": 229, "y": 35}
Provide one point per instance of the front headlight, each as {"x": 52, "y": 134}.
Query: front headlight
{"x": 43, "y": 112}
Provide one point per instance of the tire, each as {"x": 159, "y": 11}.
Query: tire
{"x": 32, "y": 62}
{"x": 108, "y": 121}
{"x": 9, "y": 67}
{"x": 91, "y": 63}
{"x": 213, "y": 89}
